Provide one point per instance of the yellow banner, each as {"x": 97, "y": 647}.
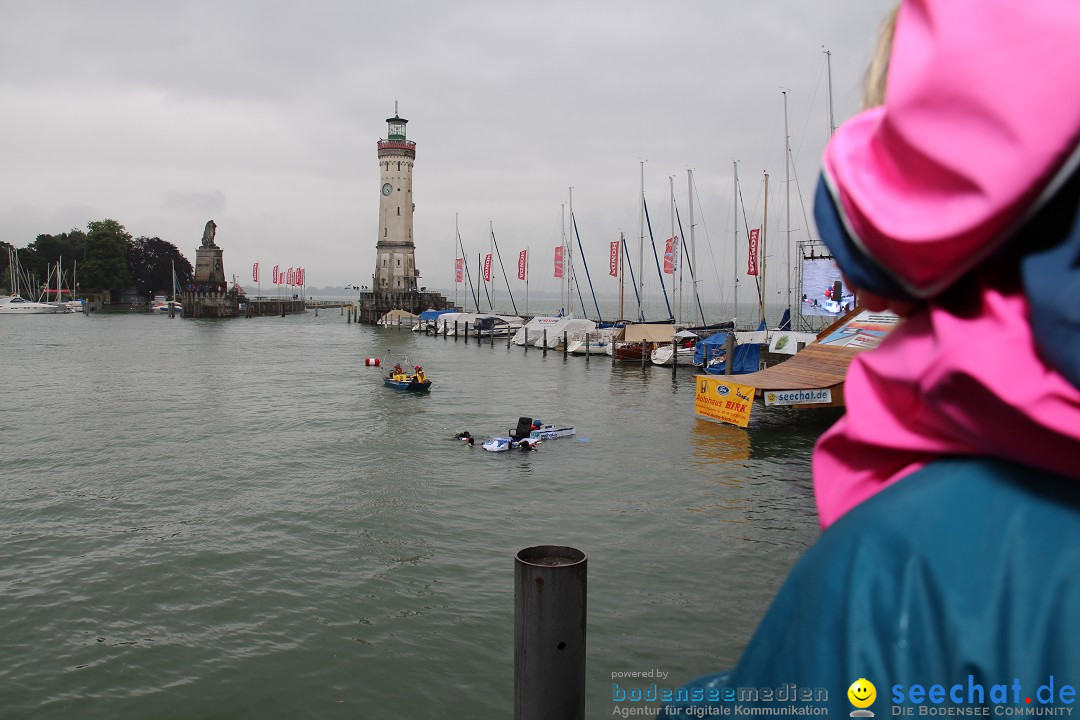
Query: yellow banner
{"x": 723, "y": 400}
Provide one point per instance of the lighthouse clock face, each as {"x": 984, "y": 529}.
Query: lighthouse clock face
{"x": 386, "y": 189}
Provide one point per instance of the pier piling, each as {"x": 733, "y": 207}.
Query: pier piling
{"x": 545, "y": 342}
{"x": 729, "y": 353}
{"x": 586, "y": 347}
{"x": 550, "y": 592}
{"x": 565, "y": 343}
{"x": 674, "y": 356}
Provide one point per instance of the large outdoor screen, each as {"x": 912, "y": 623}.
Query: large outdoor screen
{"x": 820, "y": 276}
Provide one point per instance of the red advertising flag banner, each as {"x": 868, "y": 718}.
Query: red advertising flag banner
{"x": 300, "y": 276}
{"x": 459, "y": 273}
{"x": 522, "y": 260}
{"x": 255, "y": 272}
{"x": 487, "y": 267}
{"x": 291, "y": 277}
{"x": 558, "y": 262}
{"x": 277, "y": 275}
{"x": 751, "y": 260}
{"x": 670, "y": 248}
{"x": 613, "y": 260}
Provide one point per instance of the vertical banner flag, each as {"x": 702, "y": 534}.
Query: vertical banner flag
{"x": 751, "y": 260}
{"x": 291, "y": 277}
{"x": 277, "y": 275}
{"x": 300, "y": 276}
{"x": 521, "y": 265}
{"x": 459, "y": 272}
{"x": 613, "y": 260}
{"x": 558, "y": 261}
{"x": 487, "y": 267}
{"x": 671, "y": 252}
{"x": 255, "y": 273}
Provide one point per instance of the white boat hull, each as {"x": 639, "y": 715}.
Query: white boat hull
{"x": 15, "y": 305}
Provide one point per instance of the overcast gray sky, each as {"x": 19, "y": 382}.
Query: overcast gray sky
{"x": 263, "y": 116}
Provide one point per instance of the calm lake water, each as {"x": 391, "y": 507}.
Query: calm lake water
{"x": 235, "y": 519}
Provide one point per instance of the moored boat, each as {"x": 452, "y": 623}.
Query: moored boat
{"x": 17, "y": 305}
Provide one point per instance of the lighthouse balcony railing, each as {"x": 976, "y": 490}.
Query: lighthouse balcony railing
{"x": 397, "y": 145}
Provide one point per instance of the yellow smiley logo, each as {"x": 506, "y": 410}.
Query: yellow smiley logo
{"x": 862, "y": 693}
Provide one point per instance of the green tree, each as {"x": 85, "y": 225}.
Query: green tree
{"x": 5, "y": 270}
{"x": 39, "y": 258}
{"x": 106, "y": 266}
{"x": 151, "y": 260}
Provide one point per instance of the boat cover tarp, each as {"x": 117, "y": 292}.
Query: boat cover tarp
{"x": 432, "y": 314}
{"x": 392, "y": 317}
{"x": 963, "y": 573}
{"x": 747, "y": 356}
{"x": 649, "y": 332}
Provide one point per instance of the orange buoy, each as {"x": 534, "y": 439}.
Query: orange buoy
{"x": 371, "y": 362}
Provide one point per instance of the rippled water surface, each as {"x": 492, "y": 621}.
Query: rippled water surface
{"x": 235, "y": 519}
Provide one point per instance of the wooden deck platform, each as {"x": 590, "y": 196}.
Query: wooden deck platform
{"x": 814, "y": 367}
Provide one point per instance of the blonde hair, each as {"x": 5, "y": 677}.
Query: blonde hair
{"x": 878, "y": 70}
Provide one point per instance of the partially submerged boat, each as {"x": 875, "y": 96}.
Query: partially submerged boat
{"x": 527, "y": 435}
{"x": 550, "y": 432}
{"x": 502, "y": 444}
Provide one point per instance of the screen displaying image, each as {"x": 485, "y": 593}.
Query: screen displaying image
{"x": 819, "y": 286}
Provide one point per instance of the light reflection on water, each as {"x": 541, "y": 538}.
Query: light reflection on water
{"x": 235, "y": 519}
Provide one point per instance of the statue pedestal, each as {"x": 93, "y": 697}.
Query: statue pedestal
{"x": 209, "y": 267}
{"x": 209, "y": 294}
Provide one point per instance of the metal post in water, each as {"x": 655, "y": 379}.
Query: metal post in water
{"x": 455, "y": 331}
{"x": 466, "y": 332}
{"x": 507, "y": 338}
{"x": 586, "y": 347}
{"x": 643, "y": 346}
{"x": 492, "y": 334}
{"x": 526, "y": 340}
{"x": 545, "y": 342}
{"x": 565, "y": 343}
{"x": 729, "y": 351}
{"x": 550, "y": 592}
{"x": 674, "y": 356}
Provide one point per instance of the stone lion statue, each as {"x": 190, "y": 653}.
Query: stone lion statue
{"x": 208, "y": 234}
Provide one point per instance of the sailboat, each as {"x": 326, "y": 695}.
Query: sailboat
{"x": 15, "y": 304}
{"x": 161, "y": 304}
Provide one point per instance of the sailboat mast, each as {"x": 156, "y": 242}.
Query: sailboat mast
{"x": 641, "y": 245}
{"x": 565, "y": 276}
{"x": 787, "y": 201}
{"x": 674, "y": 248}
{"x": 735, "y": 258}
{"x": 571, "y": 280}
{"x": 491, "y": 245}
{"x": 456, "y": 281}
{"x": 622, "y": 289}
{"x": 693, "y": 255}
{"x": 828, "y": 66}
{"x": 764, "y": 248}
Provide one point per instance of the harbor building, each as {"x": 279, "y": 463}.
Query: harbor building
{"x": 395, "y": 282}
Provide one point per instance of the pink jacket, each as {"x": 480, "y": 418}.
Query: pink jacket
{"x": 935, "y": 192}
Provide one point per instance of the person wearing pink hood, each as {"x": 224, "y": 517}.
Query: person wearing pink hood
{"x": 948, "y": 574}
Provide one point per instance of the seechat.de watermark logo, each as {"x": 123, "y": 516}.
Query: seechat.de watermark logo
{"x": 973, "y": 698}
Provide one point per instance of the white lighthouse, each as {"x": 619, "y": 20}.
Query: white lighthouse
{"x": 395, "y": 268}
